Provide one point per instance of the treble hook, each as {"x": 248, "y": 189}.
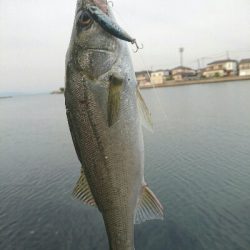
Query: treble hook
{"x": 136, "y": 45}
{"x": 110, "y": 3}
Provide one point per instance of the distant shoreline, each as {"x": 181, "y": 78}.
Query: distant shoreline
{"x": 56, "y": 92}
{"x": 5, "y": 97}
{"x": 200, "y": 81}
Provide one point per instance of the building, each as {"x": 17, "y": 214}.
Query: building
{"x": 143, "y": 78}
{"x": 200, "y": 72}
{"x": 221, "y": 68}
{"x": 160, "y": 76}
{"x": 182, "y": 73}
{"x": 244, "y": 67}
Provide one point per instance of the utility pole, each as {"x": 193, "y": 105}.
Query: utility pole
{"x": 203, "y": 61}
{"x": 198, "y": 63}
{"x": 227, "y": 53}
{"x": 181, "y": 50}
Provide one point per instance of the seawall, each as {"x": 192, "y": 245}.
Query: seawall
{"x": 200, "y": 81}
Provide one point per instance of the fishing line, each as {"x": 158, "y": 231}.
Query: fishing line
{"x": 135, "y": 41}
{"x": 158, "y": 99}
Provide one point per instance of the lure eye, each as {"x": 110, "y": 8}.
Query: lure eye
{"x": 85, "y": 20}
{"x": 92, "y": 9}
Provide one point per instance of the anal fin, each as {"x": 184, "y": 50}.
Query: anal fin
{"x": 82, "y": 190}
{"x": 149, "y": 207}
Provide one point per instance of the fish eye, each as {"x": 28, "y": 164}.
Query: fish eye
{"x": 85, "y": 20}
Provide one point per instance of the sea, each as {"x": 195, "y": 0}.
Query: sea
{"x": 197, "y": 162}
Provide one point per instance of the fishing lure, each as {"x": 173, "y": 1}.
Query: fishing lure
{"x": 110, "y": 26}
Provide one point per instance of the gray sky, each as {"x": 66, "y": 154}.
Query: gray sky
{"x": 34, "y": 35}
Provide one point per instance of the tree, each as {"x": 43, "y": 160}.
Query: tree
{"x": 217, "y": 74}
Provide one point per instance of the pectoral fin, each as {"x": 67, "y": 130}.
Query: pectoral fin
{"x": 114, "y": 99}
{"x": 144, "y": 111}
{"x": 149, "y": 207}
{"x": 82, "y": 191}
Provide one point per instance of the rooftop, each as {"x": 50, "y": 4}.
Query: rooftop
{"x": 181, "y": 67}
{"x": 222, "y": 61}
{"x": 247, "y": 60}
{"x": 160, "y": 70}
{"x": 142, "y": 72}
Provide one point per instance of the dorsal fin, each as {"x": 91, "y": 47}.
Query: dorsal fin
{"x": 82, "y": 190}
{"x": 149, "y": 207}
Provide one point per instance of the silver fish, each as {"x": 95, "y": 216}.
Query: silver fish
{"x": 103, "y": 105}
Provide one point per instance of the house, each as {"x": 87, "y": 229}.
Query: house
{"x": 160, "y": 76}
{"x": 143, "y": 78}
{"x": 244, "y": 67}
{"x": 221, "y": 68}
{"x": 181, "y": 73}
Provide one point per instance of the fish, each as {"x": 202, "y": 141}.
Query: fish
{"x": 105, "y": 112}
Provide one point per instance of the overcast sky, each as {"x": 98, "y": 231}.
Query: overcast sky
{"x": 34, "y": 35}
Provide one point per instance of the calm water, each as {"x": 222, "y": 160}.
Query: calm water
{"x": 197, "y": 162}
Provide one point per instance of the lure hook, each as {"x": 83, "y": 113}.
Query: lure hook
{"x": 137, "y": 46}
